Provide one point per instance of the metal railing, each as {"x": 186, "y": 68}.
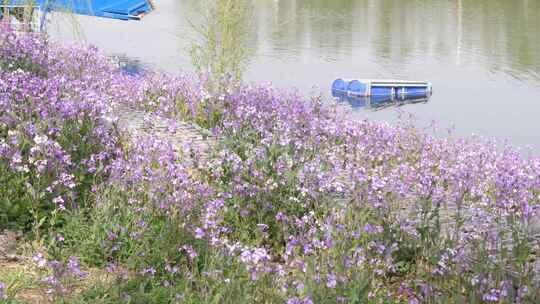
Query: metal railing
{"x": 22, "y": 17}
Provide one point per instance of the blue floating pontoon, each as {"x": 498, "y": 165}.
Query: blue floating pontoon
{"x": 115, "y": 9}
{"x": 393, "y": 89}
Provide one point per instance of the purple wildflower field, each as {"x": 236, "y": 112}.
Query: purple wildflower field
{"x": 295, "y": 204}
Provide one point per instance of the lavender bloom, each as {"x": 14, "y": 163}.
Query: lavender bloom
{"x": 75, "y": 268}
{"x": 40, "y": 260}
{"x": 3, "y": 295}
{"x": 326, "y": 191}
{"x": 331, "y": 281}
{"x": 296, "y": 300}
{"x": 190, "y": 251}
{"x": 492, "y": 296}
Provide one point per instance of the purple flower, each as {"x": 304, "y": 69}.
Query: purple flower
{"x": 40, "y": 260}
{"x": 492, "y": 296}
{"x": 283, "y": 159}
{"x": 281, "y": 217}
{"x": 75, "y": 268}
{"x": 199, "y": 233}
{"x": 331, "y": 281}
{"x": 296, "y": 300}
{"x": 190, "y": 251}
{"x": 150, "y": 270}
{"x": 3, "y": 295}
{"x": 111, "y": 236}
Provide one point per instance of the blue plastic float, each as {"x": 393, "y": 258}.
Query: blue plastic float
{"x": 393, "y": 89}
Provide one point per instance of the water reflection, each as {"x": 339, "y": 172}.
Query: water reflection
{"x": 130, "y": 66}
{"x": 500, "y": 34}
{"x": 376, "y": 103}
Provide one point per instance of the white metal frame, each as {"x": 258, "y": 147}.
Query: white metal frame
{"x": 392, "y": 83}
{"x": 35, "y": 18}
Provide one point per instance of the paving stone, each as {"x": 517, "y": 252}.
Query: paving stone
{"x": 192, "y": 141}
{"x": 8, "y": 245}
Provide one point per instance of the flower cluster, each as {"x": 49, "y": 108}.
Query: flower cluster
{"x": 59, "y": 274}
{"x": 55, "y": 141}
{"x": 296, "y": 197}
{"x": 3, "y": 296}
{"x": 368, "y": 195}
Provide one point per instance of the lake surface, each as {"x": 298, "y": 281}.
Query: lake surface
{"x": 482, "y": 56}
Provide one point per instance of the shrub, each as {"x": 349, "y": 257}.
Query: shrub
{"x": 296, "y": 204}
{"x": 54, "y": 140}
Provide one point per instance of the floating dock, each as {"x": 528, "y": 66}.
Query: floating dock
{"x": 394, "y": 89}
{"x": 113, "y": 9}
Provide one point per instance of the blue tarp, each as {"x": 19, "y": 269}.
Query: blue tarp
{"x": 116, "y": 9}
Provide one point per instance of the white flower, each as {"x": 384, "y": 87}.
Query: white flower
{"x": 40, "y": 260}
{"x": 24, "y": 169}
{"x": 16, "y": 158}
{"x": 58, "y": 200}
{"x": 40, "y": 139}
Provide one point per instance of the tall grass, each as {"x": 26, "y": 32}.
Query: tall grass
{"x": 28, "y": 15}
{"x": 23, "y": 13}
{"x": 220, "y": 51}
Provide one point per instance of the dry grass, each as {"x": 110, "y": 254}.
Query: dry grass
{"x": 24, "y": 282}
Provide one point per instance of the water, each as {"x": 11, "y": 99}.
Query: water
{"x": 482, "y": 56}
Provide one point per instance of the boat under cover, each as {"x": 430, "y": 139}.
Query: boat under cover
{"x": 115, "y": 9}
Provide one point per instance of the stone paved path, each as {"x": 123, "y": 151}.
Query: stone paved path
{"x": 8, "y": 245}
{"x": 194, "y": 142}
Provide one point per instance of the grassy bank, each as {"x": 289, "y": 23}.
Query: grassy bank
{"x": 295, "y": 204}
